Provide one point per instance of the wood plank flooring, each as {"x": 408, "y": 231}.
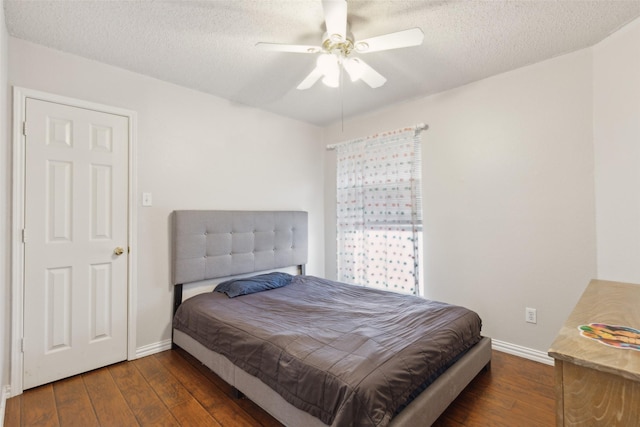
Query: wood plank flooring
{"x": 173, "y": 389}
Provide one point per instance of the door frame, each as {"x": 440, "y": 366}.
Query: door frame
{"x": 20, "y": 96}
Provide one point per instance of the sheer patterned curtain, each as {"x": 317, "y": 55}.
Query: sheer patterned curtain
{"x": 379, "y": 215}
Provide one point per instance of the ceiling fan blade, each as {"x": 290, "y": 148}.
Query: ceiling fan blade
{"x": 371, "y": 76}
{"x": 335, "y": 16}
{"x": 311, "y": 79}
{"x": 293, "y": 48}
{"x": 405, "y": 38}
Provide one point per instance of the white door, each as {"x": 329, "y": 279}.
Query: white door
{"x": 76, "y": 256}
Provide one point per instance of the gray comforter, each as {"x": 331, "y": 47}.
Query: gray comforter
{"x": 350, "y": 356}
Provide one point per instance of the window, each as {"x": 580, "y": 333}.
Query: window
{"x": 379, "y": 215}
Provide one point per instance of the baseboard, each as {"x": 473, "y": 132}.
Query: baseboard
{"x": 6, "y": 393}
{"x": 148, "y": 350}
{"x": 503, "y": 346}
{"x": 524, "y": 352}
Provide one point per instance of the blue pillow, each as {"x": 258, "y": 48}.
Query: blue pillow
{"x": 249, "y": 285}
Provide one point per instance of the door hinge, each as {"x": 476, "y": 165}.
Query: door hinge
{"x": 24, "y": 235}
{"x": 22, "y": 345}
{"x": 24, "y": 128}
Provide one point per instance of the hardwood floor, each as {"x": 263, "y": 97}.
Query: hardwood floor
{"x": 172, "y": 389}
{"x": 516, "y": 392}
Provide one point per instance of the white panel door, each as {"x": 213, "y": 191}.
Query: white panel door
{"x": 75, "y": 279}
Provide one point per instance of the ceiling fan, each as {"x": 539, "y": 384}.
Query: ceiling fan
{"x": 339, "y": 47}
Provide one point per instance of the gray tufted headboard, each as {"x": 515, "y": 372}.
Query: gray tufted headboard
{"x": 212, "y": 244}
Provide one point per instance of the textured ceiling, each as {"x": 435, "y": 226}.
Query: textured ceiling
{"x": 209, "y": 45}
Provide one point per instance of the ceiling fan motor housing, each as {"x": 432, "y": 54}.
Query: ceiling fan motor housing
{"x": 338, "y": 46}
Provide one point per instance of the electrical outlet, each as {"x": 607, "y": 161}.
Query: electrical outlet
{"x": 530, "y": 315}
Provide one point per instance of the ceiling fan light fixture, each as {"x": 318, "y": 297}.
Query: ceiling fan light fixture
{"x": 329, "y": 66}
{"x": 331, "y": 80}
{"x": 327, "y": 63}
{"x": 338, "y": 45}
{"x": 354, "y": 68}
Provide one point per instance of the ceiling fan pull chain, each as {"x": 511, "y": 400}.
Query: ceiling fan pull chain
{"x": 342, "y": 97}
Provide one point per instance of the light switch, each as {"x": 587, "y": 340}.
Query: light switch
{"x": 146, "y": 199}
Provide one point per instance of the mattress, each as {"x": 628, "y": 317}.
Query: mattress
{"x": 345, "y": 354}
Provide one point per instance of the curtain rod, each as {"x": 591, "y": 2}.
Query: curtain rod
{"x": 418, "y": 128}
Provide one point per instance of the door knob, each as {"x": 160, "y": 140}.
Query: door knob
{"x": 118, "y": 251}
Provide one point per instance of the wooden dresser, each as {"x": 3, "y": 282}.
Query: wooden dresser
{"x": 598, "y": 385}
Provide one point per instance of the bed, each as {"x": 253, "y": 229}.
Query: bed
{"x": 365, "y": 369}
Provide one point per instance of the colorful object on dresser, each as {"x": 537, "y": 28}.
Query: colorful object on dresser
{"x": 612, "y": 335}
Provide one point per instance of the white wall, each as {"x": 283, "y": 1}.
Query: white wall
{"x": 616, "y": 128}
{"x": 508, "y": 194}
{"x": 195, "y": 151}
{"x": 5, "y": 179}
